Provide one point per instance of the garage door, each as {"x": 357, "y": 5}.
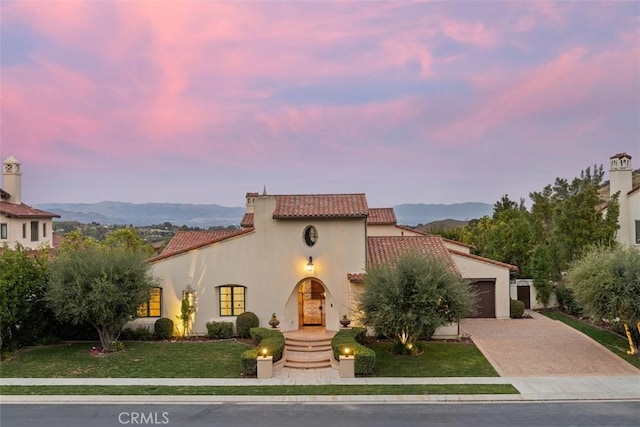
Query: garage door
{"x": 486, "y": 298}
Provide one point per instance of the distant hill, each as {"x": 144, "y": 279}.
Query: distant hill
{"x": 420, "y": 213}
{"x": 443, "y": 224}
{"x": 206, "y": 216}
{"x": 203, "y": 216}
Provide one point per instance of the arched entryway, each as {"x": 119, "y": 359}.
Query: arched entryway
{"x": 311, "y": 303}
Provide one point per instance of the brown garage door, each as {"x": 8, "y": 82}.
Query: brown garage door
{"x": 486, "y": 298}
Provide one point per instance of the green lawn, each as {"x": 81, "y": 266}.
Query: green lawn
{"x": 612, "y": 341}
{"x": 317, "y": 390}
{"x": 138, "y": 360}
{"x": 438, "y": 359}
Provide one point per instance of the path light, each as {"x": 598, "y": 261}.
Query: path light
{"x": 310, "y": 265}
{"x": 264, "y": 352}
{"x": 347, "y": 350}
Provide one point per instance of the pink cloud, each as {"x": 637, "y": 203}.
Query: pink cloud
{"x": 472, "y": 33}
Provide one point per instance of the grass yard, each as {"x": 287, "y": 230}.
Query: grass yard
{"x": 438, "y": 359}
{"x": 310, "y": 390}
{"x": 138, "y": 360}
{"x": 612, "y": 341}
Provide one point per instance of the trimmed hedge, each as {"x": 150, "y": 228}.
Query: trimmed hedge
{"x": 163, "y": 328}
{"x": 272, "y": 340}
{"x": 244, "y": 323}
{"x": 517, "y": 309}
{"x": 141, "y": 333}
{"x": 220, "y": 330}
{"x": 365, "y": 358}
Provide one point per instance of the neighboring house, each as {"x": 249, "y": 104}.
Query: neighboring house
{"x": 621, "y": 182}
{"x": 21, "y": 223}
{"x": 302, "y": 257}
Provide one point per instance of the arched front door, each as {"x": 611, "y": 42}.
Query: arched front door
{"x": 311, "y": 300}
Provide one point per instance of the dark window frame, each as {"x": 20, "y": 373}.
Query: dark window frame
{"x": 4, "y": 231}
{"x": 234, "y": 310}
{"x": 637, "y": 232}
{"x": 146, "y": 309}
{"x": 35, "y": 230}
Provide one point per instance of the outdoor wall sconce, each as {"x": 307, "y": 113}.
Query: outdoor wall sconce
{"x": 190, "y": 295}
{"x": 310, "y": 265}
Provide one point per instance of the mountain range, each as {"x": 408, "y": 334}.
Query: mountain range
{"x": 205, "y": 216}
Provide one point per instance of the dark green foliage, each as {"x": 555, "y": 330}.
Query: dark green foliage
{"x": 272, "y": 340}
{"x": 516, "y": 309}
{"x": 365, "y": 358}
{"x": 219, "y": 330}
{"x": 412, "y": 296}
{"x": 163, "y": 328}
{"x": 566, "y": 300}
{"x": 141, "y": 333}
{"x": 245, "y": 322}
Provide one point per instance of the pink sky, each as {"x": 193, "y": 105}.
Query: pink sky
{"x": 201, "y": 102}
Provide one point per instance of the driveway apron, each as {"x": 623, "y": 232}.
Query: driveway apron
{"x": 540, "y": 347}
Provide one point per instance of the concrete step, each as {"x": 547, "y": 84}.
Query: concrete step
{"x": 304, "y": 356}
{"x": 308, "y": 348}
{"x": 308, "y": 365}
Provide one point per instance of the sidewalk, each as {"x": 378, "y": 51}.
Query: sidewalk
{"x": 557, "y": 388}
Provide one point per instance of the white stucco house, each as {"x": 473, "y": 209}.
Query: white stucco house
{"x": 621, "y": 182}
{"x": 302, "y": 257}
{"x": 21, "y": 223}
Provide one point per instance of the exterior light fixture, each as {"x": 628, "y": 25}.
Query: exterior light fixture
{"x": 264, "y": 352}
{"x": 347, "y": 350}
{"x": 310, "y": 265}
{"x": 190, "y": 295}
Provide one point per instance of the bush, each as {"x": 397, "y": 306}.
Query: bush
{"x": 272, "y": 340}
{"x": 163, "y": 328}
{"x": 517, "y": 309}
{"x": 141, "y": 333}
{"x": 220, "y": 330}
{"x": 566, "y": 300}
{"x": 245, "y": 322}
{"x": 365, "y": 358}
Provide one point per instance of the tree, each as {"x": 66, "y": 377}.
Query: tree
{"x": 101, "y": 285}
{"x": 606, "y": 282}
{"x": 22, "y": 284}
{"x": 413, "y": 296}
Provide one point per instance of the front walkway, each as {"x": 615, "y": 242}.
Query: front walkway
{"x": 541, "y": 347}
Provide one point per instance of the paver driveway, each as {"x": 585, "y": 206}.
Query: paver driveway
{"x": 541, "y": 347}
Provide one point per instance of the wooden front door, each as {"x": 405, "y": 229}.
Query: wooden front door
{"x": 524, "y": 295}
{"x": 311, "y": 299}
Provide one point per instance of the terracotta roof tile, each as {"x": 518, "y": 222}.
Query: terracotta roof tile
{"x": 247, "y": 220}
{"x": 381, "y": 216}
{"x": 320, "y": 206}
{"x": 356, "y": 277}
{"x": 185, "y": 241}
{"x": 619, "y": 156}
{"x": 384, "y": 249}
{"x": 13, "y": 210}
{"x": 633, "y": 190}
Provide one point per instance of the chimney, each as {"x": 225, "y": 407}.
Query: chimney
{"x": 12, "y": 177}
{"x": 251, "y": 197}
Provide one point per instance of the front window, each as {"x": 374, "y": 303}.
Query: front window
{"x": 152, "y": 308}
{"x": 232, "y": 300}
{"x": 34, "y": 231}
{"x": 4, "y": 231}
{"x": 637, "y": 232}
{"x": 24, "y": 230}
{"x": 44, "y": 229}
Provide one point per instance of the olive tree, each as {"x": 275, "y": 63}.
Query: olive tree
{"x": 606, "y": 283}
{"x": 101, "y": 285}
{"x": 409, "y": 298}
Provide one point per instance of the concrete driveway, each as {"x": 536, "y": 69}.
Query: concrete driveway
{"x": 541, "y": 347}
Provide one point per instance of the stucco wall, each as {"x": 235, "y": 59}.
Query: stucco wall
{"x": 14, "y": 232}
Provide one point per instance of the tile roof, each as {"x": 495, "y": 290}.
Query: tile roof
{"x": 620, "y": 156}
{"x": 633, "y": 190}
{"x": 320, "y": 206}
{"x": 247, "y": 220}
{"x": 381, "y": 216}
{"x": 185, "y": 241}
{"x": 384, "y": 249}
{"x": 13, "y": 210}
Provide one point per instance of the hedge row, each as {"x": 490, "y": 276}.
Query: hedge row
{"x": 219, "y": 330}
{"x": 365, "y": 358}
{"x": 272, "y": 340}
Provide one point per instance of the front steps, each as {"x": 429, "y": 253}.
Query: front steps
{"x": 308, "y": 350}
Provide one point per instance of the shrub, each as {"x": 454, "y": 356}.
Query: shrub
{"x": 365, "y": 358}
{"x": 141, "y": 333}
{"x": 517, "y": 309}
{"x": 163, "y": 328}
{"x": 115, "y": 346}
{"x": 566, "y": 300}
{"x": 245, "y": 322}
{"x": 272, "y": 340}
{"x": 219, "y": 330}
